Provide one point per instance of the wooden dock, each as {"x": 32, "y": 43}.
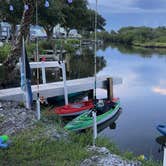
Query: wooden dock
{"x": 57, "y": 88}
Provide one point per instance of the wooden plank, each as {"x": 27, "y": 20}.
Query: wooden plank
{"x": 57, "y": 88}
{"x": 44, "y": 64}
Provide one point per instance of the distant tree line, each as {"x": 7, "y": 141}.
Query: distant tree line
{"x": 135, "y": 35}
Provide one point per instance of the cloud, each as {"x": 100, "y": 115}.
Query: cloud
{"x": 159, "y": 90}
{"x": 130, "y": 6}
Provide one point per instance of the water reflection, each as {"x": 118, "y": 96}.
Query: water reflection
{"x": 140, "y": 51}
{"x": 83, "y": 65}
{"x": 161, "y": 141}
{"x": 141, "y": 97}
{"x": 159, "y": 90}
{"x": 78, "y": 66}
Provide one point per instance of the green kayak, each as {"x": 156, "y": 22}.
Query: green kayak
{"x": 105, "y": 112}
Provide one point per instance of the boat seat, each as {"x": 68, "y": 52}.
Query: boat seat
{"x": 100, "y": 103}
{"x": 105, "y": 108}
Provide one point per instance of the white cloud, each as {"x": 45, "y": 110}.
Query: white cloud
{"x": 159, "y": 90}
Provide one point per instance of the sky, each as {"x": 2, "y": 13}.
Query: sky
{"x": 120, "y": 13}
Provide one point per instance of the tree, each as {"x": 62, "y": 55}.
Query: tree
{"x": 89, "y": 24}
{"x": 12, "y": 59}
{"x": 13, "y": 17}
{"x": 70, "y": 15}
{"x": 73, "y": 14}
{"x": 78, "y": 16}
{"x": 50, "y": 17}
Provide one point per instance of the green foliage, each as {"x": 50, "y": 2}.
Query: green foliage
{"x": 129, "y": 156}
{"x": 78, "y": 16}
{"x": 47, "y": 45}
{"x": 14, "y": 16}
{"x": 43, "y": 45}
{"x": 104, "y": 142}
{"x": 51, "y": 16}
{"x": 31, "y": 49}
{"x": 68, "y": 44}
{"x": 140, "y": 36}
{"x": 71, "y": 16}
{"x": 151, "y": 45}
{"x": 74, "y": 14}
{"x": 21, "y": 104}
{"x": 4, "y": 51}
{"x": 151, "y": 163}
{"x": 103, "y": 35}
{"x": 2, "y": 119}
{"x": 89, "y": 22}
{"x": 72, "y": 41}
{"x": 28, "y": 150}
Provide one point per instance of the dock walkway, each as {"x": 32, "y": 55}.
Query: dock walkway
{"x": 57, "y": 88}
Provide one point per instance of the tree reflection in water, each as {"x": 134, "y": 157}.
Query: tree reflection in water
{"x": 78, "y": 66}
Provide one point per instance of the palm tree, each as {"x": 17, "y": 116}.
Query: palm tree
{"x": 15, "y": 53}
{"x": 10, "y": 62}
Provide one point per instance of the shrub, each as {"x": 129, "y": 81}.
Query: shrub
{"x": 4, "y": 51}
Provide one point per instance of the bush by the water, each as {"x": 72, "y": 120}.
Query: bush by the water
{"x": 68, "y": 45}
{"x": 142, "y": 36}
{"x": 4, "y": 51}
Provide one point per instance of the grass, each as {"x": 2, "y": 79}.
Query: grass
{"x": 34, "y": 147}
{"x": 4, "y": 51}
{"x": 43, "y": 151}
{"x": 151, "y": 45}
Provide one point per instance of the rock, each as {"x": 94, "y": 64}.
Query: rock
{"x": 1, "y": 108}
{"x": 101, "y": 150}
{"x": 1, "y": 44}
{"x": 105, "y": 158}
{"x": 14, "y": 118}
{"x": 53, "y": 134}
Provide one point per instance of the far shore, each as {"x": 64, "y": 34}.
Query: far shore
{"x": 150, "y": 45}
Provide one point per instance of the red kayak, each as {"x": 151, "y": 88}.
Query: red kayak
{"x": 74, "y": 109}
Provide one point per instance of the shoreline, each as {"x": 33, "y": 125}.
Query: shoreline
{"x": 150, "y": 45}
{"x": 48, "y": 133}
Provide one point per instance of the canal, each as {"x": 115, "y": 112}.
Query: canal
{"x": 142, "y": 96}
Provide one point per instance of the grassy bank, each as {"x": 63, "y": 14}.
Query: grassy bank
{"x": 150, "y": 45}
{"x": 146, "y": 37}
{"x": 41, "y": 146}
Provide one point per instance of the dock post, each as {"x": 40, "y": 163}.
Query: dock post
{"x": 164, "y": 160}
{"x": 38, "y": 108}
{"x": 109, "y": 88}
{"x": 64, "y": 81}
{"x": 90, "y": 94}
{"x": 43, "y": 73}
{"x": 94, "y": 128}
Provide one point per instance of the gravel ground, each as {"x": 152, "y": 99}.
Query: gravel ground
{"x": 105, "y": 158}
{"x": 15, "y": 118}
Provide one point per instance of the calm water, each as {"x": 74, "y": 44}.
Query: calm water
{"x": 143, "y": 99}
